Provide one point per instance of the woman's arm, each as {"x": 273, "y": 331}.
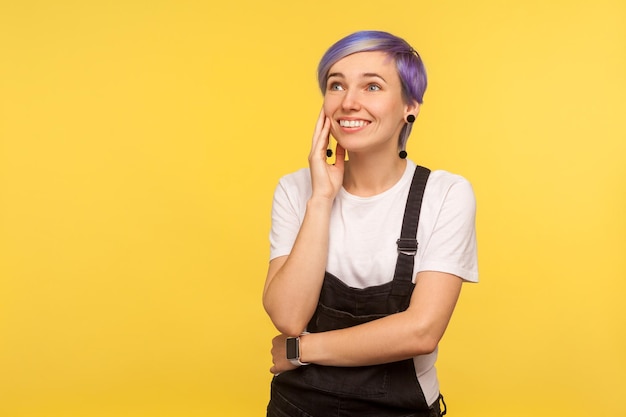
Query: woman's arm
{"x": 403, "y": 335}
{"x": 293, "y": 282}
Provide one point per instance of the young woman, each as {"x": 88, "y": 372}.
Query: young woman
{"x": 368, "y": 254}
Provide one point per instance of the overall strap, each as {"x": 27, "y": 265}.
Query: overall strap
{"x": 407, "y": 244}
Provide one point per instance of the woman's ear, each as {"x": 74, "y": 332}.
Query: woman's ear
{"x": 412, "y": 109}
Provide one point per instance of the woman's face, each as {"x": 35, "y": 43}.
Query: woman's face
{"x": 364, "y": 101}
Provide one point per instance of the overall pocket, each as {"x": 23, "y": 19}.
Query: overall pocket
{"x": 358, "y": 382}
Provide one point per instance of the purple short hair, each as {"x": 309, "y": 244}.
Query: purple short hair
{"x": 408, "y": 63}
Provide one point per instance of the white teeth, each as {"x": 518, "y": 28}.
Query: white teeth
{"x": 352, "y": 123}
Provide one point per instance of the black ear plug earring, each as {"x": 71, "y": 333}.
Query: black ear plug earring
{"x": 329, "y": 153}
{"x": 409, "y": 119}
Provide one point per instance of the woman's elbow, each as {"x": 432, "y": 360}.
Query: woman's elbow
{"x": 285, "y": 322}
{"x": 425, "y": 341}
{"x": 428, "y": 345}
{"x": 289, "y": 327}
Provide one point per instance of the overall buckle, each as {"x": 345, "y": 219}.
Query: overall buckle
{"x": 407, "y": 246}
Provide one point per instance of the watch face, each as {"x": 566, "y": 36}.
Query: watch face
{"x": 292, "y": 348}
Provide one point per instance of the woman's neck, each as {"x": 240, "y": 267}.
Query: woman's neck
{"x": 369, "y": 175}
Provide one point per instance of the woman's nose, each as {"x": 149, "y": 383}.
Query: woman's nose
{"x": 350, "y": 101}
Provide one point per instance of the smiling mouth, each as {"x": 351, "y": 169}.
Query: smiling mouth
{"x": 353, "y": 123}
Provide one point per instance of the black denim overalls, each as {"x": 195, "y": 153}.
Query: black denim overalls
{"x": 387, "y": 390}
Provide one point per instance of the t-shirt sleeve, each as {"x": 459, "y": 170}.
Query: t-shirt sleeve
{"x": 285, "y": 220}
{"x": 451, "y": 247}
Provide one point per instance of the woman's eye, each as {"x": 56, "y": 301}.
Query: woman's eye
{"x": 335, "y": 87}
{"x": 373, "y": 87}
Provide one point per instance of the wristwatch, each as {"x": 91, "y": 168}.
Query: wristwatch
{"x": 293, "y": 350}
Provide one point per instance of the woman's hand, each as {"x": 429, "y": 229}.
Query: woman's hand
{"x": 326, "y": 179}
{"x": 294, "y": 281}
{"x": 279, "y": 355}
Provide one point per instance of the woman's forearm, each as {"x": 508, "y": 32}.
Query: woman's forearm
{"x": 384, "y": 340}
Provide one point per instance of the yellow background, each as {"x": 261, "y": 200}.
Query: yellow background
{"x": 140, "y": 143}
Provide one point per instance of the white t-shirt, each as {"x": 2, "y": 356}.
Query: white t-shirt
{"x": 364, "y": 230}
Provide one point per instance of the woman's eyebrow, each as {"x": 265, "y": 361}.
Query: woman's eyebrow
{"x": 364, "y": 75}
{"x": 373, "y": 74}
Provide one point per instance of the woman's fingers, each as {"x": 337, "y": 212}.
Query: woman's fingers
{"x": 321, "y": 137}
{"x": 317, "y": 133}
{"x": 340, "y": 156}
{"x": 326, "y": 179}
